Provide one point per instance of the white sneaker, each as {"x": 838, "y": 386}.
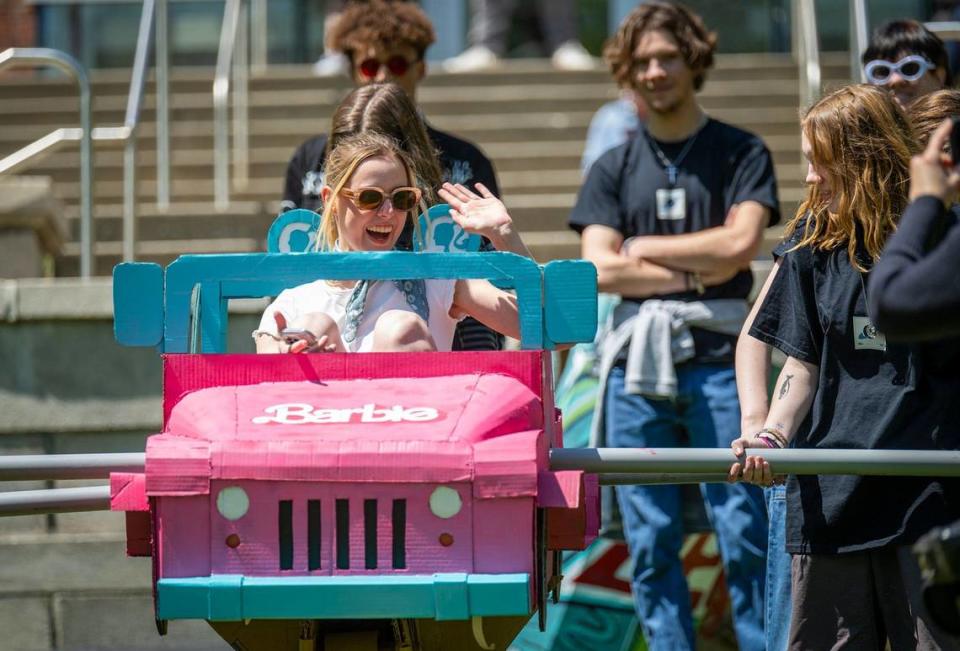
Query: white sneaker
{"x": 331, "y": 65}
{"x": 478, "y": 57}
{"x": 572, "y": 56}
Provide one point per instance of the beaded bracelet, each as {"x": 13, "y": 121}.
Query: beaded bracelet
{"x": 777, "y": 434}
{"x": 772, "y": 436}
{"x": 766, "y": 440}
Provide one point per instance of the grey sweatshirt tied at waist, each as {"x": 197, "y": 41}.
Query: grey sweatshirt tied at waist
{"x": 659, "y": 338}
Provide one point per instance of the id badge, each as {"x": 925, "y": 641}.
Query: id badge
{"x": 671, "y": 203}
{"x": 866, "y": 336}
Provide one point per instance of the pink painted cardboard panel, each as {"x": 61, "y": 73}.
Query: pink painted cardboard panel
{"x": 177, "y": 466}
{"x": 258, "y": 551}
{"x": 344, "y": 461}
{"x": 560, "y": 489}
{"x": 466, "y": 407}
{"x": 408, "y": 430}
{"x": 184, "y": 373}
{"x": 503, "y": 535}
{"x": 183, "y": 534}
{"x": 509, "y": 465}
{"x": 128, "y": 491}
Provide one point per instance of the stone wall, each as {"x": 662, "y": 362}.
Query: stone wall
{"x": 67, "y": 387}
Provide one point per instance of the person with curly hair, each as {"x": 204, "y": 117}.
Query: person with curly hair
{"x": 672, "y": 219}
{"x": 385, "y": 42}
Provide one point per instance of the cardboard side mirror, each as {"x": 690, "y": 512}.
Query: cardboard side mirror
{"x": 570, "y": 301}
{"x": 138, "y": 304}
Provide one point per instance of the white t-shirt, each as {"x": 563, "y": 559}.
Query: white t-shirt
{"x": 320, "y": 296}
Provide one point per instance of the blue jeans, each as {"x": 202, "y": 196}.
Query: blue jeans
{"x": 707, "y": 408}
{"x": 777, "y": 617}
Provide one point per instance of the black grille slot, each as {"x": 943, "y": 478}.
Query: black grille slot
{"x": 285, "y": 527}
{"x": 370, "y": 534}
{"x": 313, "y": 534}
{"x": 343, "y": 535}
{"x": 399, "y": 534}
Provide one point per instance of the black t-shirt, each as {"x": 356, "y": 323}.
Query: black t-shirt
{"x": 900, "y": 398}
{"x": 460, "y": 162}
{"x": 724, "y": 166}
{"x": 915, "y": 289}
{"x": 791, "y": 241}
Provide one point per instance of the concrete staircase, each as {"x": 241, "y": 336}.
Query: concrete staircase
{"x": 530, "y": 120}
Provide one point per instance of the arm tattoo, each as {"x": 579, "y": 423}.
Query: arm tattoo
{"x": 785, "y": 387}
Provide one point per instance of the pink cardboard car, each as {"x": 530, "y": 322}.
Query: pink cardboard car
{"x": 352, "y": 486}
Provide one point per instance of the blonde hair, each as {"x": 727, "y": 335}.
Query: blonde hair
{"x": 340, "y": 165}
{"x": 862, "y": 141}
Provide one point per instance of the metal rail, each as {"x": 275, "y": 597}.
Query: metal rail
{"x": 24, "y": 467}
{"x": 258, "y": 39}
{"x": 912, "y": 463}
{"x": 614, "y": 465}
{"x": 946, "y": 30}
{"x": 617, "y": 479}
{"x": 131, "y": 121}
{"x": 807, "y": 51}
{"x": 161, "y": 64}
{"x": 66, "y": 63}
{"x": 55, "y": 500}
{"x": 127, "y": 133}
{"x": 232, "y": 36}
{"x": 859, "y": 37}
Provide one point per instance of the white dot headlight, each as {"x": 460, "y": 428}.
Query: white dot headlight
{"x": 233, "y": 503}
{"x": 445, "y": 502}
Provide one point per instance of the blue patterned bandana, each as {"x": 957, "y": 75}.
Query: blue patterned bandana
{"x": 415, "y": 292}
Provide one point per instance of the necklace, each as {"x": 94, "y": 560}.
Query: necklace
{"x": 672, "y": 167}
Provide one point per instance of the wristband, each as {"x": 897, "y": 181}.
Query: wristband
{"x": 772, "y": 435}
{"x": 765, "y": 440}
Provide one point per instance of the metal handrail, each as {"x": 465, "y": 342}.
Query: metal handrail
{"x": 233, "y": 34}
{"x": 126, "y": 134}
{"x": 948, "y": 30}
{"x": 258, "y": 38}
{"x": 24, "y": 467}
{"x": 55, "y": 500}
{"x": 131, "y": 121}
{"x": 50, "y": 142}
{"x": 69, "y": 65}
{"x": 859, "y": 38}
{"x": 808, "y": 52}
{"x": 161, "y": 64}
{"x": 906, "y": 463}
{"x": 613, "y": 465}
